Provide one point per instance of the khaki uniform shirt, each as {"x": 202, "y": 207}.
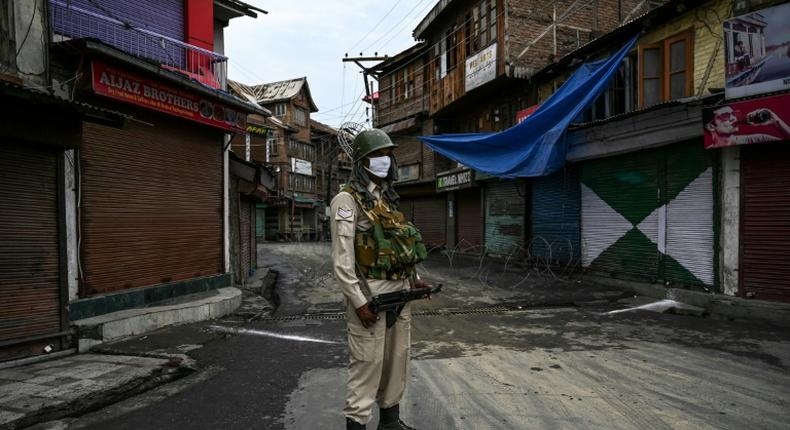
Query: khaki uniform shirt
{"x": 346, "y": 218}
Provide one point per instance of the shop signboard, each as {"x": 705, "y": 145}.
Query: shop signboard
{"x": 757, "y": 52}
{"x": 525, "y": 113}
{"x": 302, "y": 167}
{"x": 751, "y": 121}
{"x": 481, "y": 68}
{"x": 113, "y": 82}
{"x": 457, "y": 180}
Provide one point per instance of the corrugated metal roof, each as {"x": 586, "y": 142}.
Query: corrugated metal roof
{"x": 319, "y": 126}
{"x": 41, "y": 96}
{"x": 274, "y": 91}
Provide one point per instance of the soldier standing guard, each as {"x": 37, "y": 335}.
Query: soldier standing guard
{"x": 374, "y": 251}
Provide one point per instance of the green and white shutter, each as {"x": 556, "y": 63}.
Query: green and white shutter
{"x": 649, "y": 215}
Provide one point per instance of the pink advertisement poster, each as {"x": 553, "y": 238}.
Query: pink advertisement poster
{"x": 752, "y": 121}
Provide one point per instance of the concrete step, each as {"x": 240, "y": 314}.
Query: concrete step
{"x": 131, "y": 322}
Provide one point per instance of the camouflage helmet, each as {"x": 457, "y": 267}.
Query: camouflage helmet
{"x": 369, "y": 141}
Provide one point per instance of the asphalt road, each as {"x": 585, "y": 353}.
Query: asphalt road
{"x": 558, "y": 362}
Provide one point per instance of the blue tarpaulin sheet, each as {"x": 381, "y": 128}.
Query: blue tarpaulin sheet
{"x": 536, "y": 146}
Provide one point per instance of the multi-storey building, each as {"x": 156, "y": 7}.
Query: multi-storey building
{"x": 472, "y": 72}
{"x": 290, "y": 151}
{"x": 148, "y": 217}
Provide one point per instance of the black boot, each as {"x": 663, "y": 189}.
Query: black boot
{"x": 389, "y": 419}
{"x": 353, "y": 425}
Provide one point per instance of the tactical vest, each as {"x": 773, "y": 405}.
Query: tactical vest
{"x": 391, "y": 247}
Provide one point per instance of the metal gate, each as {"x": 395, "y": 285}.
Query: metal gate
{"x": 504, "y": 217}
{"x": 430, "y": 217}
{"x": 765, "y": 221}
{"x": 30, "y": 290}
{"x": 469, "y": 220}
{"x": 151, "y": 204}
{"x": 556, "y": 211}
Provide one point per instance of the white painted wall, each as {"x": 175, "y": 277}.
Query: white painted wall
{"x": 730, "y": 219}
{"x": 72, "y": 249}
{"x": 31, "y": 40}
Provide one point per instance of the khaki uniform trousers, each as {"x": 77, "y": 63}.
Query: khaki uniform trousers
{"x": 378, "y": 370}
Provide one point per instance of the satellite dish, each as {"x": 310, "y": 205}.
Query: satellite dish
{"x": 345, "y": 136}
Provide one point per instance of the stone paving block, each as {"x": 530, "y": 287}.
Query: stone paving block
{"x": 32, "y": 403}
{"x": 8, "y": 416}
{"x": 15, "y": 390}
{"x": 15, "y": 375}
{"x": 51, "y": 380}
{"x": 74, "y": 390}
{"x": 91, "y": 370}
{"x": 123, "y": 375}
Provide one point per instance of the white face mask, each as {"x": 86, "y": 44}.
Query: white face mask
{"x": 380, "y": 166}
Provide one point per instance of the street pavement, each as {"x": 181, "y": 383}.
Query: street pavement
{"x": 499, "y": 348}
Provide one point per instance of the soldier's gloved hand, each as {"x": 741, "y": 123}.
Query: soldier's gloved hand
{"x": 367, "y": 316}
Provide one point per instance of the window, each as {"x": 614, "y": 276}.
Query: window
{"x": 451, "y": 42}
{"x": 272, "y": 144}
{"x": 665, "y": 70}
{"x": 619, "y": 97}
{"x": 488, "y": 19}
{"x": 300, "y": 117}
{"x": 303, "y": 183}
{"x": 408, "y": 173}
{"x": 302, "y": 150}
{"x": 280, "y": 109}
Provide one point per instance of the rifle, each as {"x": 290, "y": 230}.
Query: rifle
{"x": 396, "y": 300}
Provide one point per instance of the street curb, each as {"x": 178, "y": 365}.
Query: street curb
{"x": 716, "y": 305}
{"x": 96, "y": 330}
{"x": 98, "y": 400}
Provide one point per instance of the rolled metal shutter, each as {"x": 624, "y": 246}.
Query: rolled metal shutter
{"x": 430, "y": 218}
{"x": 504, "y": 217}
{"x": 406, "y": 205}
{"x": 151, "y": 204}
{"x": 556, "y": 213}
{"x": 765, "y": 221}
{"x": 687, "y": 257}
{"x": 619, "y": 226}
{"x": 469, "y": 220}
{"x": 30, "y": 291}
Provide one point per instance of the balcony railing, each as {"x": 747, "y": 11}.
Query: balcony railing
{"x": 202, "y": 65}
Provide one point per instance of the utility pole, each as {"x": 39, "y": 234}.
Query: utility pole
{"x": 367, "y": 71}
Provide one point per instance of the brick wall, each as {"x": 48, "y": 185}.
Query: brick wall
{"x": 528, "y": 19}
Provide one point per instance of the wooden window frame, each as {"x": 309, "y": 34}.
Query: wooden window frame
{"x": 688, "y": 36}
{"x": 664, "y": 54}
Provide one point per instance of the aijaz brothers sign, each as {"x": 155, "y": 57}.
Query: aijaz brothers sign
{"x": 454, "y": 180}
{"x": 129, "y": 87}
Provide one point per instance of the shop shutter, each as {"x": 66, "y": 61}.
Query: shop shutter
{"x": 687, "y": 257}
{"x": 151, "y": 204}
{"x": 619, "y": 231}
{"x": 556, "y": 212}
{"x": 30, "y": 290}
{"x": 469, "y": 219}
{"x": 406, "y": 205}
{"x": 430, "y": 217}
{"x": 504, "y": 217}
{"x": 765, "y": 221}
